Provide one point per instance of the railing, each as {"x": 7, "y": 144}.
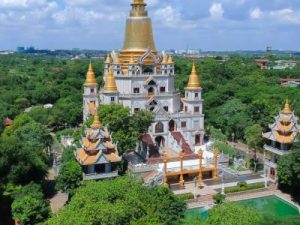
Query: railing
{"x": 274, "y": 150}
{"x": 141, "y": 168}
{"x": 98, "y": 176}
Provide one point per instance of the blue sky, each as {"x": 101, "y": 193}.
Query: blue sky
{"x": 178, "y": 24}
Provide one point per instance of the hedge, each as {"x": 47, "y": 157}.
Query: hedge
{"x": 186, "y": 196}
{"x": 244, "y": 188}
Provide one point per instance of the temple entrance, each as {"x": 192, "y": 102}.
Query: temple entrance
{"x": 159, "y": 127}
{"x": 197, "y": 139}
{"x": 160, "y": 141}
{"x": 171, "y": 125}
{"x": 272, "y": 173}
{"x": 151, "y": 91}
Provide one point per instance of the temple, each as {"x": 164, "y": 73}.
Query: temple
{"x": 141, "y": 78}
{"x": 284, "y": 132}
{"x": 97, "y": 155}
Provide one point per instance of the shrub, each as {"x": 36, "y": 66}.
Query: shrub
{"x": 219, "y": 198}
{"x": 247, "y": 188}
{"x": 186, "y": 196}
{"x": 242, "y": 184}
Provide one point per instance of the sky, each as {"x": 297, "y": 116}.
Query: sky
{"x": 219, "y": 25}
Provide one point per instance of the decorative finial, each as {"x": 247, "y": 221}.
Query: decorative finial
{"x": 110, "y": 83}
{"x": 194, "y": 82}
{"x": 97, "y": 122}
{"x": 165, "y": 58}
{"x": 170, "y": 60}
{"x": 287, "y": 107}
{"x": 108, "y": 59}
{"x": 90, "y": 76}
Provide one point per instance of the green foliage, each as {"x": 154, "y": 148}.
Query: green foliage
{"x": 29, "y": 206}
{"x": 69, "y": 178}
{"x": 288, "y": 169}
{"x": 225, "y": 148}
{"x": 232, "y": 214}
{"x": 271, "y": 220}
{"x": 120, "y": 201}
{"x": 186, "y": 196}
{"x": 242, "y": 187}
{"x": 219, "y": 198}
{"x": 217, "y": 134}
{"x": 126, "y": 128}
{"x": 253, "y": 136}
{"x": 68, "y": 155}
{"x": 242, "y": 184}
{"x": 23, "y": 155}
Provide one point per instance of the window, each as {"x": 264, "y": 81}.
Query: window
{"x": 136, "y": 90}
{"x": 186, "y": 95}
{"x": 196, "y": 95}
{"x": 185, "y": 108}
{"x": 183, "y": 124}
{"x": 196, "y": 109}
{"x": 136, "y": 110}
{"x": 112, "y": 99}
{"x": 162, "y": 89}
{"x": 92, "y": 90}
{"x": 166, "y": 108}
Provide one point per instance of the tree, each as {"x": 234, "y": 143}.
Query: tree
{"x": 69, "y": 177}
{"x": 253, "y": 136}
{"x": 232, "y": 214}
{"x": 288, "y": 170}
{"x": 29, "y": 206}
{"x": 121, "y": 201}
{"x": 126, "y": 128}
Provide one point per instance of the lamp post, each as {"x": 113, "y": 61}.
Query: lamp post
{"x": 181, "y": 180}
{"x": 223, "y": 187}
{"x": 265, "y": 171}
{"x": 195, "y": 187}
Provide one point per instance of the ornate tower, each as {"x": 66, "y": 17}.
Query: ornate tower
{"x": 110, "y": 93}
{"x": 90, "y": 95}
{"x": 284, "y": 132}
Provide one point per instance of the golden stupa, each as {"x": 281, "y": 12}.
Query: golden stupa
{"x": 138, "y": 34}
{"x": 90, "y": 77}
{"x": 194, "y": 82}
{"x": 110, "y": 83}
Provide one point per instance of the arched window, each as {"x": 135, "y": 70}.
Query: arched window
{"x": 151, "y": 91}
{"x": 159, "y": 127}
{"x": 172, "y": 125}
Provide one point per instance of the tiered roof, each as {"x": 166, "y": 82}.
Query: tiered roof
{"x": 285, "y": 129}
{"x": 97, "y": 146}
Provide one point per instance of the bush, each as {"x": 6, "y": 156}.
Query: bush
{"x": 219, "y": 198}
{"x": 244, "y": 188}
{"x": 186, "y": 196}
{"x": 242, "y": 184}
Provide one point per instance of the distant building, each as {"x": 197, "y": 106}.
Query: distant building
{"x": 263, "y": 63}
{"x": 21, "y": 49}
{"x": 284, "y": 132}
{"x": 97, "y": 155}
{"x": 290, "y": 82}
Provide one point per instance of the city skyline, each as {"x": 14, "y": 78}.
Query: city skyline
{"x": 222, "y": 25}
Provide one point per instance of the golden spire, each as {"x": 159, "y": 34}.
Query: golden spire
{"x": 165, "y": 59}
{"x": 287, "y": 107}
{"x": 97, "y": 122}
{"x": 194, "y": 82}
{"x": 108, "y": 59}
{"x": 170, "y": 60}
{"x": 138, "y": 34}
{"x": 90, "y": 77}
{"x": 117, "y": 59}
{"x": 110, "y": 83}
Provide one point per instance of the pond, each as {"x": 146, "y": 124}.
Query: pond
{"x": 272, "y": 205}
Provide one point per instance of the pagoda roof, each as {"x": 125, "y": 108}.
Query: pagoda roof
{"x": 99, "y": 158}
{"x": 285, "y": 127}
{"x": 92, "y": 133}
{"x": 281, "y": 138}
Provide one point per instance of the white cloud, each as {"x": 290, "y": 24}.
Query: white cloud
{"x": 256, "y": 13}
{"x": 169, "y": 17}
{"x": 286, "y": 15}
{"x": 216, "y": 10}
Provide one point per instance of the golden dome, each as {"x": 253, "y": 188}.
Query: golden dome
{"x": 90, "y": 77}
{"x": 165, "y": 59}
{"x": 117, "y": 59}
{"x": 194, "y": 82}
{"x": 170, "y": 60}
{"x": 108, "y": 59}
{"x": 287, "y": 107}
{"x": 110, "y": 83}
{"x": 96, "y": 123}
